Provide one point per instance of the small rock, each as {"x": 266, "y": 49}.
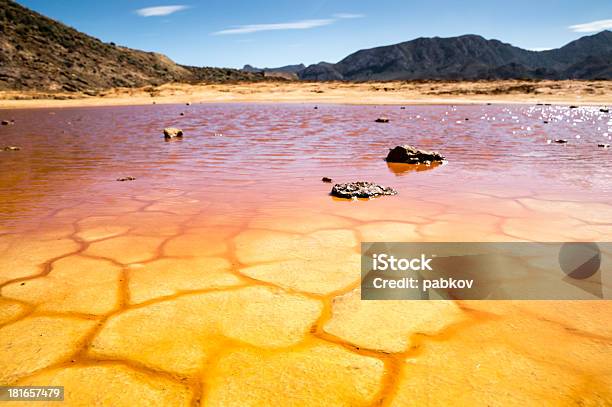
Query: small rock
{"x": 326, "y": 179}
{"x": 603, "y": 145}
{"x": 403, "y": 108}
{"x": 382, "y": 119}
{"x": 5, "y": 122}
{"x": 545, "y": 122}
{"x": 172, "y": 132}
{"x": 12, "y": 148}
{"x": 123, "y": 179}
{"x": 466, "y": 119}
{"x": 412, "y": 155}
{"x": 316, "y": 107}
{"x": 182, "y": 114}
{"x": 188, "y": 104}
{"x": 573, "y": 107}
{"x": 361, "y": 189}
{"x": 561, "y": 141}
{"x": 604, "y": 110}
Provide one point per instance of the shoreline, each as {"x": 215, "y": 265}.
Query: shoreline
{"x": 367, "y": 93}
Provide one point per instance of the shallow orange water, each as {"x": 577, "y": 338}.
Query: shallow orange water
{"x": 226, "y": 274}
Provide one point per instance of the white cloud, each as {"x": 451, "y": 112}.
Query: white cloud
{"x": 160, "y": 10}
{"x": 591, "y": 27}
{"x": 294, "y": 25}
{"x": 539, "y": 49}
{"x": 348, "y": 15}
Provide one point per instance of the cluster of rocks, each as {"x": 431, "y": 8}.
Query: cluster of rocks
{"x": 382, "y": 119}
{"x": 11, "y": 148}
{"x": 123, "y": 179}
{"x": 400, "y": 154}
{"x": 411, "y": 155}
{"x": 361, "y": 189}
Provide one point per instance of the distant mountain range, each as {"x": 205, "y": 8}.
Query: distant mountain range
{"x": 289, "y": 72}
{"x": 286, "y": 68}
{"x": 37, "y": 52}
{"x": 470, "y": 57}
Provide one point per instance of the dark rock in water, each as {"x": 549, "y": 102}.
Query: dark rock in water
{"x": 361, "y": 189}
{"x": 188, "y": 104}
{"x": 172, "y": 132}
{"x": 123, "y": 179}
{"x": 326, "y": 179}
{"x": 573, "y": 107}
{"x": 466, "y": 119}
{"x": 545, "y": 122}
{"x": 182, "y": 114}
{"x": 411, "y": 155}
{"x": 382, "y": 119}
{"x": 603, "y": 145}
{"x": 316, "y": 107}
{"x": 12, "y": 148}
{"x": 403, "y": 108}
{"x": 5, "y": 122}
{"x": 561, "y": 141}
{"x": 604, "y": 110}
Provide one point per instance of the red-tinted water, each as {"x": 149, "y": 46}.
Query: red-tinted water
{"x": 264, "y": 154}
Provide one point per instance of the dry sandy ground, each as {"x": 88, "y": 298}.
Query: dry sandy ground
{"x": 429, "y": 92}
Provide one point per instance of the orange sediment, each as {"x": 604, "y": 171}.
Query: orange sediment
{"x": 197, "y": 324}
{"x": 202, "y": 288}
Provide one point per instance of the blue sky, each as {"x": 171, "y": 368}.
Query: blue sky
{"x": 232, "y": 33}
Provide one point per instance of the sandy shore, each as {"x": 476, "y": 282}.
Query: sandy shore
{"x": 511, "y": 91}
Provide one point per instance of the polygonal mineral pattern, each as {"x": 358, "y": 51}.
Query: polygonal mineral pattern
{"x": 37, "y": 342}
{"x": 126, "y": 249}
{"x": 21, "y": 257}
{"x": 180, "y": 335}
{"x": 75, "y": 284}
{"x": 318, "y": 276}
{"x": 318, "y": 374}
{"x": 507, "y": 362}
{"x": 168, "y": 276}
{"x": 388, "y": 325}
